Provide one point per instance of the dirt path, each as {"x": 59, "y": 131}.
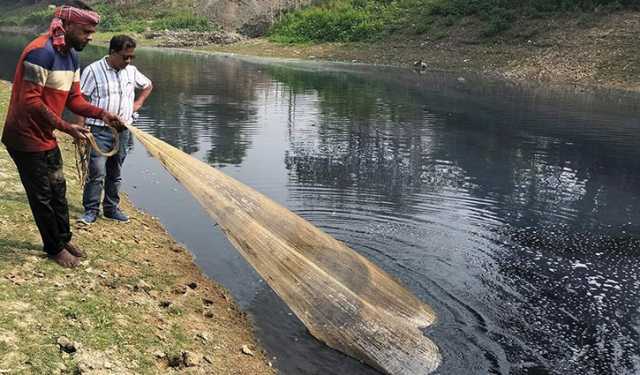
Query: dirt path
{"x": 137, "y": 305}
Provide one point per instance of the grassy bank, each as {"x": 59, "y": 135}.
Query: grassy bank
{"x": 358, "y": 20}
{"x": 587, "y": 49}
{"x": 138, "y": 304}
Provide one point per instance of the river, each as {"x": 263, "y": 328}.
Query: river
{"x": 513, "y": 210}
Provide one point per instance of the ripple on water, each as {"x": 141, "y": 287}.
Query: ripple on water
{"x": 539, "y": 300}
{"x": 578, "y": 302}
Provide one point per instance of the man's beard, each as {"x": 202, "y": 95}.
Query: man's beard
{"x": 77, "y": 45}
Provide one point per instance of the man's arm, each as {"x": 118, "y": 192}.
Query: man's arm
{"x": 38, "y": 109}
{"x": 80, "y": 106}
{"x": 81, "y": 121}
{"x": 142, "y": 96}
{"x": 142, "y": 83}
{"x": 88, "y": 87}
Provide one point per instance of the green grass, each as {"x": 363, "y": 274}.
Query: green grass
{"x": 357, "y": 20}
{"x": 140, "y": 17}
{"x": 136, "y": 17}
{"x": 340, "y": 20}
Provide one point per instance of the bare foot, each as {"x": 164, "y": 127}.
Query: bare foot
{"x": 66, "y": 259}
{"x": 75, "y": 250}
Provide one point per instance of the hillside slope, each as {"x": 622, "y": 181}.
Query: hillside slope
{"x": 589, "y": 50}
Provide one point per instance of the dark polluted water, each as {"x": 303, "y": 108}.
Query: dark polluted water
{"x": 514, "y": 211}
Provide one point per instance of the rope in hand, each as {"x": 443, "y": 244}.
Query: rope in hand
{"x": 83, "y": 152}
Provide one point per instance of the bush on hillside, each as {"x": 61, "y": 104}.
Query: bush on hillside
{"x": 340, "y": 21}
{"x": 354, "y": 20}
{"x": 39, "y": 17}
{"x": 134, "y": 17}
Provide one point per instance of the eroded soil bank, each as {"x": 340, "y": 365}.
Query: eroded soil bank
{"x": 589, "y": 49}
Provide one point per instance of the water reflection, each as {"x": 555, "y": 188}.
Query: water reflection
{"x": 541, "y": 202}
{"x": 514, "y": 211}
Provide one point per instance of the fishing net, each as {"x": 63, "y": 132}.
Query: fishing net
{"x": 343, "y": 299}
{"x": 83, "y": 153}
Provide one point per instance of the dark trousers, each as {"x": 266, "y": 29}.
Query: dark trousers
{"x": 43, "y": 179}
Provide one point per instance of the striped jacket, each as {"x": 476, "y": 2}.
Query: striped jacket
{"x": 46, "y": 81}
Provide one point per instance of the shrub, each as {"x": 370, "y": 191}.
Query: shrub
{"x": 341, "y": 21}
{"x": 39, "y": 17}
{"x": 354, "y": 20}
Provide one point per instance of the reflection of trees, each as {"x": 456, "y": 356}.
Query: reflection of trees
{"x": 395, "y": 138}
{"x": 559, "y": 170}
{"x": 541, "y": 172}
{"x": 205, "y": 95}
{"x": 344, "y": 96}
{"x": 365, "y": 137}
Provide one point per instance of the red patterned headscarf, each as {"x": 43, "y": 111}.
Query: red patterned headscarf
{"x": 72, "y": 15}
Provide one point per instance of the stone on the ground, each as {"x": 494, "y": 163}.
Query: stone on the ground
{"x": 180, "y": 289}
{"x": 203, "y": 336}
{"x": 191, "y": 359}
{"x": 183, "y": 38}
{"x": 67, "y": 345}
{"x": 141, "y": 285}
{"x": 247, "y": 351}
{"x": 174, "y": 359}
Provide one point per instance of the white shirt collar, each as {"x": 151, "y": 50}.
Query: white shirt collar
{"x": 109, "y": 67}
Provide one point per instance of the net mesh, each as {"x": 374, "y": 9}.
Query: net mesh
{"x": 342, "y": 298}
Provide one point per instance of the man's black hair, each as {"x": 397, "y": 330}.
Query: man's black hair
{"x": 78, "y": 4}
{"x": 121, "y": 42}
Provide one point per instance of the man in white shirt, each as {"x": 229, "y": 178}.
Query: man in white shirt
{"x": 110, "y": 84}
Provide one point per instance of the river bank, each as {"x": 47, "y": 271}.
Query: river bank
{"x": 589, "y": 49}
{"x": 586, "y": 49}
{"x": 137, "y": 304}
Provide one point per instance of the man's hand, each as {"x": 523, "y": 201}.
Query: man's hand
{"x": 137, "y": 105}
{"x": 78, "y": 132}
{"x": 113, "y": 121}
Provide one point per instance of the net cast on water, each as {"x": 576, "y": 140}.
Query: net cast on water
{"x": 343, "y": 299}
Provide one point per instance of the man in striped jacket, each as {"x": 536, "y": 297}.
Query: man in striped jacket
{"x": 47, "y": 79}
